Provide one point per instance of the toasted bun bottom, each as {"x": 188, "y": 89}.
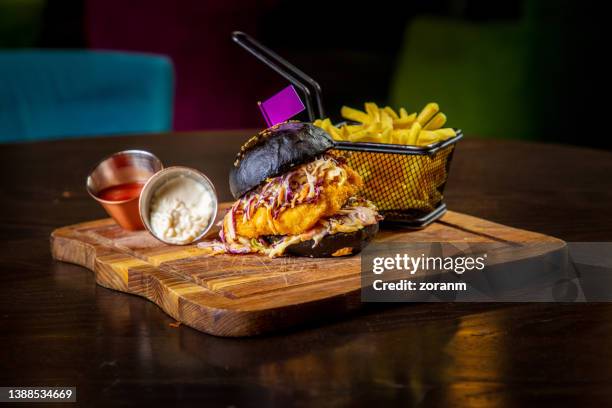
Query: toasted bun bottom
{"x": 340, "y": 244}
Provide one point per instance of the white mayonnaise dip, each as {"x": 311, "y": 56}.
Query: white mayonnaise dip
{"x": 181, "y": 209}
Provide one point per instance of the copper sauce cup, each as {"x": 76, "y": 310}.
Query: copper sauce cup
{"x": 128, "y": 166}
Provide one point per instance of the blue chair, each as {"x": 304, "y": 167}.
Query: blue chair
{"x": 61, "y": 94}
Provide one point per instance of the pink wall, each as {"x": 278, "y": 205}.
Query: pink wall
{"x": 217, "y": 83}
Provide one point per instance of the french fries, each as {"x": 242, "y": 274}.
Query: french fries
{"x": 416, "y": 179}
{"x": 384, "y": 125}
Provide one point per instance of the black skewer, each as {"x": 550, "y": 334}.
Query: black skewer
{"x": 287, "y": 70}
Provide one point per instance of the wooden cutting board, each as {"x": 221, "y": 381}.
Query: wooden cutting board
{"x": 229, "y": 295}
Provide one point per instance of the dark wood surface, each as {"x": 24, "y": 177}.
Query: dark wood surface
{"x": 59, "y": 328}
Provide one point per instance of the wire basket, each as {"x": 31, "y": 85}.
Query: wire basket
{"x": 405, "y": 182}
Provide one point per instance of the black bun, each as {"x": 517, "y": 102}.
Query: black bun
{"x": 331, "y": 243}
{"x": 275, "y": 151}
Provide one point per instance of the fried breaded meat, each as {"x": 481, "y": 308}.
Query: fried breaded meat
{"x": 336, "y": 185}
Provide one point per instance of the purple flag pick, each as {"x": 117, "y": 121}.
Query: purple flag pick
{"x": 282, "y": 106}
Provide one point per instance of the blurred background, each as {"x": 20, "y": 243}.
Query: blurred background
{"x": 530, "y": 70}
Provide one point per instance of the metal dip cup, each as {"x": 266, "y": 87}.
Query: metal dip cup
{"x": 128, "y": 166}
{"x": 158, "y": 180}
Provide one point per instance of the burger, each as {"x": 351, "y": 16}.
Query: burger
{"x": 293, "y": 197}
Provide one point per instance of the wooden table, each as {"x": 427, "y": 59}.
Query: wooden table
{"x": 59, "y": 328}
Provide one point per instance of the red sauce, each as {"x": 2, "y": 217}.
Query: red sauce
{"x": 121, "y": 192}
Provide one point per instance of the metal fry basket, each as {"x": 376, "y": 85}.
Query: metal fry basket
{"x": 406, "y": 183}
